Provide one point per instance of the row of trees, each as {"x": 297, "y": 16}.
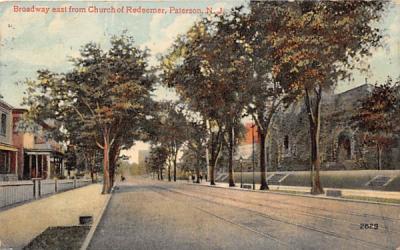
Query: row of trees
{"x": 259, "y": 62}
{"x": 251, "y": 61}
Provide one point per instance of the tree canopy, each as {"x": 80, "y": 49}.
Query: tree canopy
{"x": 104, "y": 97}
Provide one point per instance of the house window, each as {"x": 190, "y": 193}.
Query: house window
{"x": 39, "y": 139}
{"x": 3, "y": 125}
{"x": 15, "y": 123}
{"x": 286, "y": 142}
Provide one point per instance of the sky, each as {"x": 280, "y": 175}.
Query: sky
{"x": 34, "y": 40}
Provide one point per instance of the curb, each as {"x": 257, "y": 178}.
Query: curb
{"x": 301, "y": 195}
{"x": 93, "y": 228}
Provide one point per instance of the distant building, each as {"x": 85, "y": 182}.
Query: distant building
{"x": 142, "y": 158}
{"x": 245, "y": 148}
{"x": 143, "y": 154}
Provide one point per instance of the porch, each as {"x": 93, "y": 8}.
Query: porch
{"x": 8, "y": 163}
{"x": 43, "y": 164}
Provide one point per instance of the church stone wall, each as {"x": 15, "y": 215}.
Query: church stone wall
{"x": 341, "y": 145}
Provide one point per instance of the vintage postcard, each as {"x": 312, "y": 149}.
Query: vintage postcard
{"x": 193, "y": 124}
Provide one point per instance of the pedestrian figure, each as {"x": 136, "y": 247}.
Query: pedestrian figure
{"x": 206, "y": 177}
{"x": 193, "y": 178}
{"x": 201, "y": 178}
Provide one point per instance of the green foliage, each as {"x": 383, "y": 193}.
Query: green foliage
{"x": 208, "y": 69}
{"x": 157, "y": 158}
{"x": 317, "y": 43}
{"x": 101, "y": 102}
{"x": 377, "y": 111}
{"x": 169, "y": 128}
{"x": 377, "y": 118}
{"x": 126, "y": 168}
{"x": 193, "y": 157}
{"x": 313, "y": 45}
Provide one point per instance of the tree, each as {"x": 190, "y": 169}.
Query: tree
{"x": 105, "y": 94}
{"x": 185, "y": 69}
{"x": 167, "y": 130}
{"x": 156, "y": 160}
{"x": 265, "y": 93}
{"x": 230, "y": 63}
{"x": 315, "y": 44}
{"x": 172, "y": 136}
{"x": 376, "y": 117}
{"x": 207, "y": 70}
{"x": 194, "y": 153}
{"x": 80, "y": 140}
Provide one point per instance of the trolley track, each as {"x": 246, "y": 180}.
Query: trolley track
{"x": 264, "y": 204}
{"x": 309, "y": 228}
{"x": 315, "y": 208}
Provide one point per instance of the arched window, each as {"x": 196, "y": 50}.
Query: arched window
{"x": 344, "y": 147}
{"x": 286, "y": 142}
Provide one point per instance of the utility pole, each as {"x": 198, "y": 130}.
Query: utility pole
{"x": 241, "y": 172}
{"x": 253, "y": 154}
{"x": 207, "y": 141}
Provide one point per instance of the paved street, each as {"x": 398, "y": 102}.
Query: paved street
{"x": 148, "y": 214}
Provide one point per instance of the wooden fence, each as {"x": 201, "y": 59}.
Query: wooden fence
{"x": 13, "y": 192}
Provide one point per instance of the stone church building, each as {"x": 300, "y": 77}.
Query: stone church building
{"x": 341, "y": 145}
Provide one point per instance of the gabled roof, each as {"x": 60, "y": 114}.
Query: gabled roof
{"x": 5, "y": 105}
{"x": 365, "y": 87}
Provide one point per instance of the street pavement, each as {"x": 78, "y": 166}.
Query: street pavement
{"x": 149, "y": 214}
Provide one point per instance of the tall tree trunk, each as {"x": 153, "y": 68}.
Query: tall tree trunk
{"x": 112, "y": 168}
{"x": 230, "y": 160}
{"x": 197, "y": 169}
{"x": 87, "y": 167}
{"x": 216, "y": 148}
{"x": 215, "y": 154}
{"x": 207, "y": 151}
{"x": 263, "y": 172}
{"x": 174, "y": 162}
{"x": 86, "y": 163}
{"x": 92, "y": 163}
{"x": 314, "y": 112}
{"x": 91, "y": 174}
{"x": 169, "y": 168}
{"x": 114, "y": 153}
{"x": 379, "y": 156}
{"x": 212, "y": 161}
{"x": 212, "y": 168}
{"x": 106, "y": 163}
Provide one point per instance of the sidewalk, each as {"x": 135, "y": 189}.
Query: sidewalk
{"x": 19, "y": 225}
{"x": 299, "y": 189}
